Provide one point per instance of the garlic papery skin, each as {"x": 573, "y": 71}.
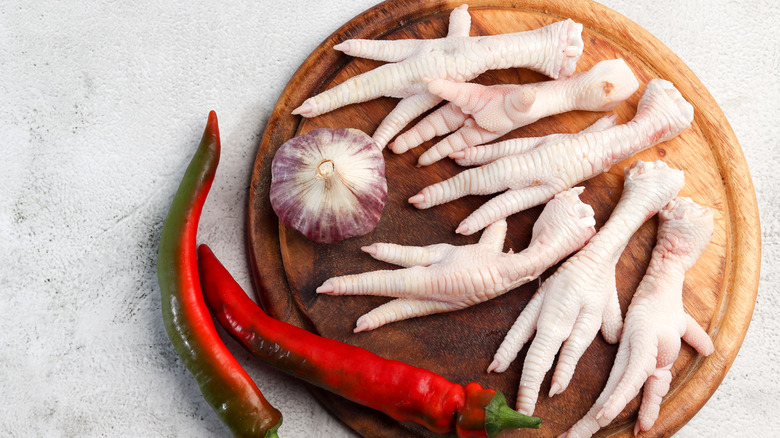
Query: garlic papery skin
{"x": 329, "y": 184}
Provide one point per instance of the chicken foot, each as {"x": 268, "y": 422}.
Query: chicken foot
{"x": 581, "y": 296}
{"x": 442, "y": 277}
{"x": 484, "y": 154}
{"x": 533, "y": 177}
{"x": 552, "y": 50}
{"x": 655, "y": 322}
{"x": 479, "y": 114}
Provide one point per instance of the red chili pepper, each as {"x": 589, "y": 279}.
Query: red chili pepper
{"x": 224, "y": 384}
{"x": 403, "y": 392}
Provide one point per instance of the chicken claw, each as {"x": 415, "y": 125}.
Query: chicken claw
{"x": 581, "y": 297}
{"x": 442, "y": 278}
{"x": 531, "y": 178}
{"x": 479, "y": 155}
{"x": 552, "y": 50}
{"x": 655, "y": 322}
{"x": 482, "y": 114}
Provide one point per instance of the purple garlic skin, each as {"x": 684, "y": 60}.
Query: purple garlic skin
{"x": 329, "y": 184}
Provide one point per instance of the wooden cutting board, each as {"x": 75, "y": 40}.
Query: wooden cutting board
{"x": 719, "y": 291}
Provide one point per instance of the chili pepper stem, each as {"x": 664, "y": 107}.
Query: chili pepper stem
{"x": 273, "y": 432}
{"x": 499, "y": 416}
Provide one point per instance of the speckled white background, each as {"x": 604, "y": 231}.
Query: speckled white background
{"x": 101, "y": 104}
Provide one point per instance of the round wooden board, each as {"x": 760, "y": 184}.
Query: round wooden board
{"x": 719, "y": 291}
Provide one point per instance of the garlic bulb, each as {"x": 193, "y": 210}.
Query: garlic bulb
{"x": 329, "y": 184}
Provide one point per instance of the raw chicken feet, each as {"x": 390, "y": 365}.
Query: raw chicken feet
{"x": 479, "y": 155}
{"x": 655, "y": 322}
{"x": 552, "y": 50}
{"x": 581, "y": 296}
{"x": 482, "y": 114}
{"x": 533, "y": 177}
{"x": 442, "y": 278}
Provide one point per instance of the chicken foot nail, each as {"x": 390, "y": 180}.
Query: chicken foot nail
{"x": 552, "y": 50}
{"x": 533, "y": 177}
{"x": 479, "y": 114}
{"x": 581, "y": 296}
{"x": 442, "y": 277}
{"x": 655, "y": 322}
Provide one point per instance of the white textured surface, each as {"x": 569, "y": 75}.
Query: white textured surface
{"x": 101, "y": 105}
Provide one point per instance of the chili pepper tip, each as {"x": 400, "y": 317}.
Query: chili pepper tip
{"x": 212, "y": 127}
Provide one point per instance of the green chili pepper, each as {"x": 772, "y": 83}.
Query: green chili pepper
{"x": 224, "y": 384}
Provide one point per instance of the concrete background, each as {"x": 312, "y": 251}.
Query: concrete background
{"x": 101, "y": 104}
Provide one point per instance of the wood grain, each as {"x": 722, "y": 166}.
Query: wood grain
{"x": 719, "y": 291}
